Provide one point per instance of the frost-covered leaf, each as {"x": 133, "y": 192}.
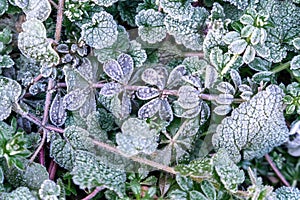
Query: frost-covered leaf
{"x": 33, "y": 43}
{"x": 110, "y": 89}
{"x": 105, "y": 3}
{"x": 259, "y": 64}
{"x": 101, "y": 32}
{"x": 225, "y": 99}
{"x": 249, "y": 54}
{"x": 255, "y": 127}
{"x": 165, "y": 111}
{"x": 3, "y": 6}
{"x": 49, "y": 190}
{"x": 222, "y": 110}
{"x": 238, "y": 46}
{"x": 136, "y": 137}
{"x": 241, "y": 4}
{"x": 176, "y": 75}
{"x": 21, "y": 193}
{"x": 188, "y": 97}
{"x": 285, "y": 17}
{"x": 151, "y": 25}
{"x": 75, "y": 99}
{"x": 98, "y": 123}
{"x": 265, "y": 76}
{"x": 296, "y": 43}
{"x": 138, "y": 54}
{"x": 188, "y": 32}
{"x": 10, "y": 92}
{"x": 57, "y": 112}
{"x": 230, "y": 174}
{"x": 295, "y": 63}
{"x": 226, "y": 88}
{"x": 6, "y": 61}
{"x": 209, "y": 190}
{"x": 146, "y": 93}
{"x": 89, "y": 172}
{"x": 149, "y": 109}
{"x": 284, "y": 192}
{"x": 155, "y": 76}
{"x": 236, "y": 78}
{"x": 178, "y": 9}
{"x": 35, "y": 9}
{"x": 119, "y": 46}
{"x": 211, "y": 76}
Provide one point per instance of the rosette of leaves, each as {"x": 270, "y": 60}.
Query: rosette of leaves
{"x": 178, "y": 9}
{"x": 292, "y": 98}
{"x": 80, "y": 80}
{"x": 101, "y": 31}
{"x": 255, "y": 127}
{"x": 188, "y": 32}
{"x": 159, "y": 77}
{"x": 34, "y": 9}
{"x": 5, "y": 49}
{"x": 13, "y": 145}
{"x": 285, "y": 27}
{"x": 136, "y": 137}
{"x": 250, "y": 40}
{"x": 33, "y": 43}
{"x": 119, "y": 70}
{"x": 10, "y": 92}
{"x": 151, "y": 25}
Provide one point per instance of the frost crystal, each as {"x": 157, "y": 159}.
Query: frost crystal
{"x": 255, "y": 127}
{"x": 101, "y": 32}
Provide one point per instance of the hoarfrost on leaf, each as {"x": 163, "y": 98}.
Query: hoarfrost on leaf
{"x": 151, "y": 25}
{"x": 33, "y": 43}
{"x": 3, "y": 6}
{"x": 35, "y": 9}
{"x": 49, "y": 190}
{"x": 10, "y": 92}
{"x": 178, "y": 9}
{"x": 57, "y": 112}
{"x": 255, "y": 127}
{"x": 101, "y": 32}
{"x": 105, "y": 3}
{"x": 136, "y": 137}
{"x": 21, "y": 193}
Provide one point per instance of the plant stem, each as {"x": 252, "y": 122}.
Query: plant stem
{"x": 136, "y": 158}
{"x": 94, "y": 193}
{"x": 276, "y": 170}
{"x": 47, "y": 101}
{"x": 281, "y": 67}
{"x": 59, "y": 20}
{"x": 40, "y": 147}
{"x": 42, "y": 156}
{"x": 192, "y": 54}
{"x": 53, "y": 171}
{"x": 53, "y": 4}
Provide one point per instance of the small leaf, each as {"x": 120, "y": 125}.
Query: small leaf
{"x": 247, "y": 19}
{"x": 105, "y": 3}
{"x": 224, "y": 99}
{"x": 222, "y": 110}
{"x": 49, "y": 190}
{"x": 295, "y": 63}
{"x": 256, "y": 36}
{"x": 236, "y": 78}
{"x": 149, "y": 109}
{"x": 209, "y": 190}
{"x": 259, "y": 64}
{"x": 126, "y": 63}
{"x": 75, "y": 99}
{"x": 113, "y": 70}
{"x": 37, "y": 9}
{"x": 6, "y": 61}
{"x": 247, "y": 31}
{"x": 165, "y": 112}
{"x": 155, "y": 76}
{"x": 265, "y": 76}
{"x": 249, "y": 54}
{"x": 296, "y": 43}
{"x": 57, "y": 113}
{"x": 176, "y": 75}
{"x": 184, "y": 183}
{"x": 101, "y": 32}
{"x": 226, "y": 88}
{"x": 3, "y": 7}
{"x": 238, "y": 46}
{"x": 110, "y": 89}
{"x": 195, "y": 195}
{"x": 231, "y": 37}
{"x": 188, "y": 97}
{"x": 146, "y": 93}
{"x": 211, "y": 76}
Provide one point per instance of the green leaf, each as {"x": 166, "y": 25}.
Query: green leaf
{"x": 101, "y": 31}
{"x": 88, "y": 173}
{"x": 295, "y": 63}
{"x": 259, "y": 64}
{"x": 5, "y": 36}
{"x": 249, "y": 54}
{"x": 195, "y": 195}
{"x": 178, "y": 9}
{"x": 57, "y": 112}
{"x": 136, "y": 137}
{"x": 185, "y": 183}
{"x": 6, "y": 61}
{"x": 138, "y": 54}
{"x": 177, "y": 195}
{"x": 34, "y": 44}
{"x": 296, "y": 43}
{"x": 151, "y": 25}
{"x": 230, "y": 175}
{"x": 238, "y": 46}
{"x": 209, "y": 190}
{"x": 255, "y": 127}
{"x": 10, "y": 92}
{"x": 75, "y": 99}
{"x": 265, "y": 76}
{"x": 127, "y": 11}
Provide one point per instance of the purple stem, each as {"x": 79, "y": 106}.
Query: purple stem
{"x": 276, "y": 170}
{"x": 53, "y": 171}
{"x": 94, "y": 193}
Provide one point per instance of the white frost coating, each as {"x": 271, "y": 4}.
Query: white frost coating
{"x": 255, "y": 127}
{"x": 37, "y": 9}
{"x": 101, "y": 32}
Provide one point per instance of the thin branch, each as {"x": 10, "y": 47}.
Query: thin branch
{"x": 59, "y": 19}
{"x": 47, "y": 101}
{"x": 94, "y": 193}
{"x": 36, "y": 79}
{"x": 40, "y": 146}
{"x": 54, "y": 4}
{"x": 276, "y": 170}
{"x": 53, "y": 171}
{"x": 192, "y": 54}
{"x": 42, "y": 156}
{"x": 136, "y": 158}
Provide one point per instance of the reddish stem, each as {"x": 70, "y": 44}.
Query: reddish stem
{"x": 59, "y": 20}
{"x": 50, "y": 166}
{"x": 36, "y": 79}
{"x": 42, "y": 156}
{"x": 94, "y": 193}
{"x": 53, "y": 171}
{"x": 276, "y": 170}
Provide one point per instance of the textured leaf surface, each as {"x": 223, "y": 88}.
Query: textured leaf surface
{"x": 89, "y": 173}
{"x": 178, "y": 9}
{"x": 49, "y": 190}
{"x": 57, "y": 112}
{"x": 136, "y": 137}
{"x": 10, "y": 91}
{"x": 105, "y": 3}
{"x": 21, "y": 193}
{"x": 101, "y": 32}
{"x": 37, "y": 9}
{"x": 33, "y": 43}
{"x": 146, "y": 93}
{"x": 3, "y": 6}
{"x": 255, "y": 127}
{"x": 151, "y": 25}
{"x": 75, "y": 99}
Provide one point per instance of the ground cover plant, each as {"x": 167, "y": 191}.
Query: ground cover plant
{"x": 150, "y": 99}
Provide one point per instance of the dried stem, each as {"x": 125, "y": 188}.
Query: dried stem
{"x": 136, "y": 158}
{"x": 94, "y": 193}
{"x": 59, "y": 20}
{"x": 276, "y": 170}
